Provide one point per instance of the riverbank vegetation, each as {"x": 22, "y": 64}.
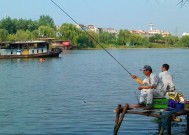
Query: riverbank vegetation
{"x": 23, "y": 29}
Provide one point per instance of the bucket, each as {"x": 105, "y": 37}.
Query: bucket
{"x": 160, "y": 103}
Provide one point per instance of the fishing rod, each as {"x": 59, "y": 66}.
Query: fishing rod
{"x": 91, "y": 37}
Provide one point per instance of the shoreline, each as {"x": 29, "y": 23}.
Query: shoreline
{"x": 131, "y": 48}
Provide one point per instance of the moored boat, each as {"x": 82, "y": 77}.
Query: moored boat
{"x": 27, "y": 49}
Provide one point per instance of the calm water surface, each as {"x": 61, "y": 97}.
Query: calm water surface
{"x": 77, "y": 93}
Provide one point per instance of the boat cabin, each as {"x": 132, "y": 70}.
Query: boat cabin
{"x": 64, "y": 44}
{"x": 24, "y": 48}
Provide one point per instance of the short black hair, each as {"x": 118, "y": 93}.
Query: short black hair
{"x": 166, "y": 66}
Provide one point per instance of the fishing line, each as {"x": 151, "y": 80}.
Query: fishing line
{"x": 137, "y": 97}
{"x": 91, "y": 37}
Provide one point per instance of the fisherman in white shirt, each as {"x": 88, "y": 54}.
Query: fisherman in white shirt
{"x": 150, "y": 87}
{"x": 167, "y": 78}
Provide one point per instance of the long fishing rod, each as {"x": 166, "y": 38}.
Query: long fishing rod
{"x": 91, "y": 37}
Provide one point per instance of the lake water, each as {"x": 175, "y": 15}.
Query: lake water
{"x": 77, "y": 93}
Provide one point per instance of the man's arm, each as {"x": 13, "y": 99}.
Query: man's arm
{"x": 138, "y": 80}
{"x": 145, "y": 87}
{"x": 153, "y": 84}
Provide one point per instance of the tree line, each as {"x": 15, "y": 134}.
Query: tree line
{"x": 23, "y": 30}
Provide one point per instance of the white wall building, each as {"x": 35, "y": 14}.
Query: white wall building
{"x": 185, "y": 34}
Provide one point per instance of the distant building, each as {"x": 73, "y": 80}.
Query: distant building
{"x": 90, "y": 27}
{"x": 161, "y": 32}
{"x": 109, "y": 30}
{"x": 93, "y": 28}
{"x": 138, "y": 31}
{"x": 185, "y": 34}
{"x": 81, "y": 27}
{"x": 57, "y": 27}
{"x": 150, "y": 32}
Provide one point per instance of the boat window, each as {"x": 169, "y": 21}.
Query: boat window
{"x": 41, "y": 45}
{"x": 37, "y": 51}
{"x": 42, "y": 50}
{"x": 11, "y": 52}
{"x": 32, "y": 51}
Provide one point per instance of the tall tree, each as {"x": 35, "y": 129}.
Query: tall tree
{"x": 135, "y": 39}
{"x": 8, "y": 25}
{"x": 107, "y": 38}
{"x": 21, "y": 24}
{"x": 157, "y": 38}
{"x": 82, "y": 41}
{"x": 184, "y": 41}
{"x": 23, "y": 35}
{"x": 46, "y": 20}
{"x": 46, "y": 31}
{"x": 3, "y": 35}
{"x": 171, "y": 40}
{"x": 69, "y": 32}
{"x": 32, "y": 25}
{"x": 123, "y": 37}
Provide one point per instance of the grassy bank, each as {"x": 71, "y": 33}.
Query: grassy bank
{"x": 152, "y": 45}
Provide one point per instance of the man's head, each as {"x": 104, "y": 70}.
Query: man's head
{"x": 147, "y": 70}
{"x": 165, "y": 67}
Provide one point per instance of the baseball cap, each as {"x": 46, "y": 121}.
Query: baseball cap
{"x": 146, "y": 67}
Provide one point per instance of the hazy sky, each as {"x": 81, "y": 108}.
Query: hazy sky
{"x": 119, "y": 14}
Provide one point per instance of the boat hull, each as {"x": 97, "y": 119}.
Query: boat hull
{"x": 40, "y": 55}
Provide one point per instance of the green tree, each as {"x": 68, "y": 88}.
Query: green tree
{"x": 46, "y": 20}
{"x": 3, "y": 35}
{"x": 23, "y": 35}
{"x": 69, "y": 32}
{"x": 157, "y": 38}
{"x": 82, "y": 40}
{"x": 123, "y": 37}
{"x": 77, "y": 36}
{"x": 107, "y": 38}
{"x": 8, "y": 25}
{"x": 135, "y": 39}
{"x": 92, "y": 43}
{"x": 46, "y": 31}
{"x": 171, "y": 40}
{"x": 21, "y": 24}
{"x": 184, "y": 41}
{"x": 32, "y": 25}
{"x": 11, "y": 37}
{"x": 35, "y": 34}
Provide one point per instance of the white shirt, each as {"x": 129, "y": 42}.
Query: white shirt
{"x": 167, "y": 79}
{"x": 153, "y": 80}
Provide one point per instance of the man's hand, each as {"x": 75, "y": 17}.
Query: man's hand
{"x": 145, "y": 87}
{"x": 138, "y": 80}
{"x": 134, "y": 76}
{"x": 140, "y": 87}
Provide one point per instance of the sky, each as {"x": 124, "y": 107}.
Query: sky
{"x": 118, "y": 14}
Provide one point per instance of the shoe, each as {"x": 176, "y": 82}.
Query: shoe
{"x": 148, "y": 107}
